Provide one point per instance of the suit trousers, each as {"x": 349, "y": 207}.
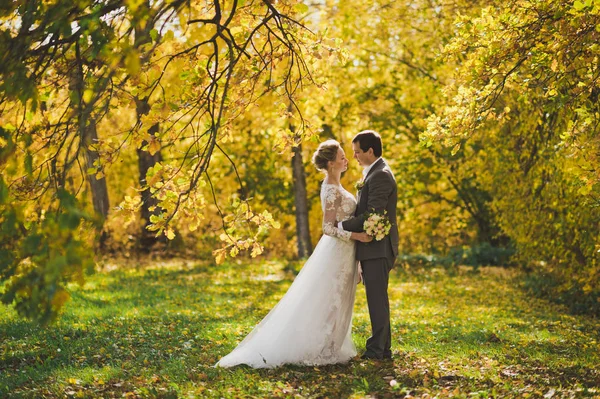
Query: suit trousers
{"x": 376, "y": 276}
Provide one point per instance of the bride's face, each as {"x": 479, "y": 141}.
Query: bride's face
{"x": 341, "y": 162}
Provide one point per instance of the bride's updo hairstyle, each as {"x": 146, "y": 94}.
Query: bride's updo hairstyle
{"x": 326, "y": 152}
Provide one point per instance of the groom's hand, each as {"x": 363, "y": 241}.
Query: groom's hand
{"x": 362, "y": 237}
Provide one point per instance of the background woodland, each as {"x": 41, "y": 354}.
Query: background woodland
{"x": 185, "y": 128}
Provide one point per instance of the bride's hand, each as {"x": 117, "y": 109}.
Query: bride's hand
{"x": 362, "y": 237}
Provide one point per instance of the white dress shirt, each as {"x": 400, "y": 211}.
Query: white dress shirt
{"x": 368, "y": 168}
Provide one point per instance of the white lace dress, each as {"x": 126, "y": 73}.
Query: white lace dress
{"x": 311, "y": 324}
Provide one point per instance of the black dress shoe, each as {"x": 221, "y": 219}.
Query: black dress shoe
{"x": 369, "y": 355}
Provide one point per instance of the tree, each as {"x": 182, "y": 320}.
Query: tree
{"x": 149, "y": 153}
{"x": 89, "y": 141}
{"x": 301, "y": 202}
{"x": 219, "y": 46}
{"x": 528, "y": 88}
{"x": 392, "y": 83}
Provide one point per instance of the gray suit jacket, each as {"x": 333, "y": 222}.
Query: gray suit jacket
{"x": 379, "y": 193}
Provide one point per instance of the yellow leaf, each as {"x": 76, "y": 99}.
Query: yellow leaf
{"x": 257, "y": 249}
{"x": 88, "y": 95}
{"x": 301, "y": 8}
{"x": 168, "y": 36}
{"x": 154, "y": 147}
{"x": 169, "y": 233}
{"x": 236, "y": 29}
{"x": 456, "y": 149}
{"x": 133, "y": 4}
{"x": 219, "y": 255}
{"x": 60, "y": 298}
{"x": 132, "y": 62}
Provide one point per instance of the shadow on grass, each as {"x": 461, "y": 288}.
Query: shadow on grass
{"x": 154, "y": 321}
{"x": 575, "y": 299}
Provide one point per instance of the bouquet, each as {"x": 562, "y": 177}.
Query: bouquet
{"x": 377, "y": 225}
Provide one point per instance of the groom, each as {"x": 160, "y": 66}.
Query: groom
{"x": 377, "y": 193}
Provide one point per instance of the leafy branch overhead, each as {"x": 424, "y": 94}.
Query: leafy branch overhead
{"x": 171, "y": 75}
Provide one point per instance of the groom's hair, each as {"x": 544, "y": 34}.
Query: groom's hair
{"x": 369, "y": 139}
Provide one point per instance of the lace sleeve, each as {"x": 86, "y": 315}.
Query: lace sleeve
{"x": 332, "y": 200}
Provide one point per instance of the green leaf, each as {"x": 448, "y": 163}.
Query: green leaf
{"x": 3, "y": 191}
{"x": 69, "y": 220}
{"x": 7, "y": 146}
{"x": 28, "y": 163}
{"x": 32, "y": 245}
{"x": 301, "y": 8}
{"x": 27, "y": 139}
{"x": 154, "y": 35}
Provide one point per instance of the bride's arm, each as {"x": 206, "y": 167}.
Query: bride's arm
{"x": 333, "y": 200}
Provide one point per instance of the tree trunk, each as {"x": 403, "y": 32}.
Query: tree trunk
{"x": 89, "y": 137}
{"x": 301, "y": 202}
{"x": 97, "y": 185}
{"x": 146, "y": 161}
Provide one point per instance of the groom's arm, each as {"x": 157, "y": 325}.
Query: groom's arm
{"x": 381, "y": 186}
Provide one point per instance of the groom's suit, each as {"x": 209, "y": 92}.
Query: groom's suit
{"x": 378, "y": 193}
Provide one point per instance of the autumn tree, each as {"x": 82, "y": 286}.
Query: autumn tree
{"x": 392, "y": 82}
{"x": 528, "y": 89}
{"x": 218, "y": 50}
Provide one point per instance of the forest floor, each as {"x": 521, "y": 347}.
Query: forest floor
{"x": 156, "y": 329}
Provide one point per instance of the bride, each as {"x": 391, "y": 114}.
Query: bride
{"x": 311, "y": 324}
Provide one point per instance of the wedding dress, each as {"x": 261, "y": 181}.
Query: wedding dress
{"x": 311, "y": 324}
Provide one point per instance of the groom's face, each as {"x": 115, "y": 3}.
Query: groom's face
{"x": 364, "y": 158}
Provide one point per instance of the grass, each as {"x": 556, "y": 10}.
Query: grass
{"x": 156, "y": 331}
